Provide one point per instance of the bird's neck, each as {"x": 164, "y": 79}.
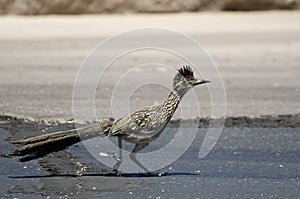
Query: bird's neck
{"x": 171, "y": 103}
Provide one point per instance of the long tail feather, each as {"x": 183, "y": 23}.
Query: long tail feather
{"x": 42, "y": 145}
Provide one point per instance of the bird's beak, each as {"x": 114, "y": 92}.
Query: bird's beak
{"x": 201, "y": 82}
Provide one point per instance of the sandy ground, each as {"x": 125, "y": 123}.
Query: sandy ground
{"x": 257, "y": 54}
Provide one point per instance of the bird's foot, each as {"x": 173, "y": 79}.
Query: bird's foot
{"x": 117, "y": 173}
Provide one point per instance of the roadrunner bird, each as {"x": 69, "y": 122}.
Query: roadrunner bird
{"x": 140, "y": 127}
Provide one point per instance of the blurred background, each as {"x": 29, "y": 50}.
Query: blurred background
{"x": 255, "y": 44}
{"x": 37, "y": 7}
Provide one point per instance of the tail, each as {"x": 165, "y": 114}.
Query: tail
{"x": 39, "y": 146}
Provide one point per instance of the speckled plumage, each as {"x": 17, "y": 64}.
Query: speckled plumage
{"x": 145, "y": 125}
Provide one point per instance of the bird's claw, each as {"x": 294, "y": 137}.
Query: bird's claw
{"x": 117, "y": 172}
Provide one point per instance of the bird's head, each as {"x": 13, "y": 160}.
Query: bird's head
{"x": 184, "y": 80}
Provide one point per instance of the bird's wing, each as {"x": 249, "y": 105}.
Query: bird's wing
{"x": 133, "y": 122}
{"x": 119, "y": 127}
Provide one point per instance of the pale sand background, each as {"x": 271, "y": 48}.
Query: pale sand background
{"x": 257, "y": 54}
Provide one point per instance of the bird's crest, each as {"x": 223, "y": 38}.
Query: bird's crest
{"x": 184, "y": 72}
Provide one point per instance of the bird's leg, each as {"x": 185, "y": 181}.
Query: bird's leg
{"x": 133, "y": 153}
{"x": 118, "y": 159}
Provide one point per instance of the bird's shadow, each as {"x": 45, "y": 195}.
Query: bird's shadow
{"x": 127, "y": 175}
